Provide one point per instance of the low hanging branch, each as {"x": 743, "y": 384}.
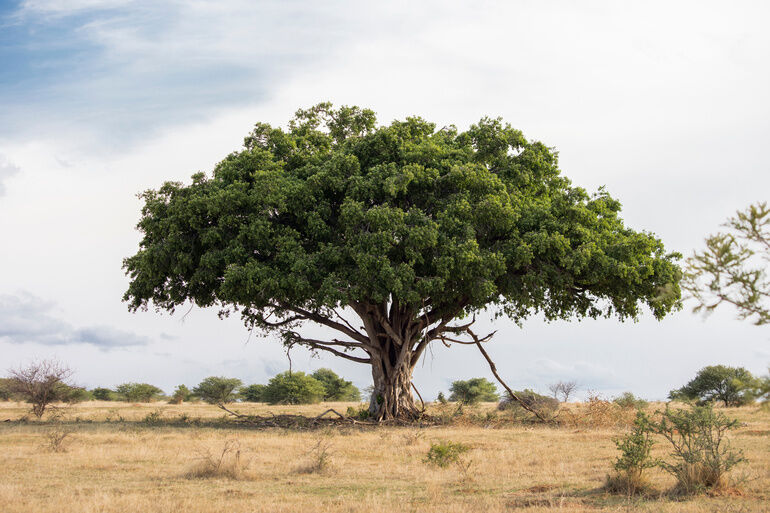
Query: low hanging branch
{"x": 513, "y": 396}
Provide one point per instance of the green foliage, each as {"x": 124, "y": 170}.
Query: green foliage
{"x": 444, "y": 453}
{"x": 336, "y": 388}
{"x": 702, "y": 454}
{"x": 733, "y": 267}
{"x": 6, "y": 390}
{"x": 253, "y": 393}
{"x": 441, "y": 398}
{"x": 734, "y": 386}
{"x": 293, "y": 388}
{"x": 473, "y": 391}
{"x": 154, "y": 418}
{"x": 138, "y": 392}
{"x": 543, "y": 404}
{"x": 72, "y": 394}
{"x": 217, "y": 389}
{"x": 102, "y": 394}
{"x": 180, "y": 395}
{"x": 361, "y": 413}
{"x": 336, "y": 211}
{"x": 635, "y": 449}
{"x": 634, "y": 458}
{"x": 630, "y": 401}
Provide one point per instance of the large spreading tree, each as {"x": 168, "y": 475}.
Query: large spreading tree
{"x": 408, "y": 228}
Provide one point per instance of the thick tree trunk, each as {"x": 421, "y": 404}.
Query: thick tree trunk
{"x": 392, "y": 395}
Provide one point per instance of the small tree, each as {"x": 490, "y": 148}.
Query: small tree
{"x": 40, "y": 383}
{"x": 734, "y": 386}
{"x": 562, "y": 390}
{"x": 252, "y": 393}
{"x": 733, "y": 267}
{"x": 293, "y": 388}
{"x": 634, "y": 457}
{"x": 102, "y": 394}
{"x": 337, "y": 389}
{"x": 217, "y": 389}
{"x": 473, "y": 391}
{"x": 180, "y": 395}
{"x": 138, "y": 392}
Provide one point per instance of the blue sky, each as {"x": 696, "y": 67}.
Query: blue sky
{"x": 664, "y": 104}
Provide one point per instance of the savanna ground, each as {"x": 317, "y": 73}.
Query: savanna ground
{"x": 120, "y": 457}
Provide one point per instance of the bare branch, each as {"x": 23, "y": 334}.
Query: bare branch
{"x": 511, "y": 393}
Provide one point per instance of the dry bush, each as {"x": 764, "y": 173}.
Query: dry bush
{"x": 597, "y": 412}
{"x": 319, "y": 459}
{"x": 627, "y": 483}
{"x": 412, "y": 437}
{"x": 55, "y": 439}
{"x": 227, "y": 463}
{"x": 41, "y": 383}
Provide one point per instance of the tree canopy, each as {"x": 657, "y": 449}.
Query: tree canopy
{"x": 405, "y": 226}
{"x": 734, "y": 386}
{"x": 336, "y": 388}
{"x": 217, "y": 389}
{"x": 473, "y": 390}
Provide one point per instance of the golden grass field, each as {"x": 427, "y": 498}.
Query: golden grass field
{"x": 115, "y": 461}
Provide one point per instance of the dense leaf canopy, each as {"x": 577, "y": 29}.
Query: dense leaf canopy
{"x": 336, "y": 211}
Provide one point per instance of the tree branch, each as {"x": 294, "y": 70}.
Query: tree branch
{"x": 324, "y": 346}
{"x": 493, "y": 368}
{"x": 313, "y": 316}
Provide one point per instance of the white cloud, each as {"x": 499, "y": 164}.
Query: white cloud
{"x": 7, "y": 170}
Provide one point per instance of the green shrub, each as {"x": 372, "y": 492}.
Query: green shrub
{"x": 180, "y": 395}
{"x": 138, "y": 392}
{"x": 6, "y": 390}
{"x": 293, "y": 388}
{"x": 543, "y": 404}
{"x": 634, "y": 458}
{"x": 734, "y": 386}
{"x": 252, "y": 393}
{"x": 630, "y": 401}
{"x": 71, "y": 394}
{"x": 441, "y": 398}
{"x": 102, "y": 394}
{"x": 702, "y": 454}
{"x": 154, "y": 418}
{"x": 217, "y": 389}
{"x": 336, "y": 388}
{"x": 444, "y": 453}
{"x": 361, "y": 413}
{"x": 473, "y": 391}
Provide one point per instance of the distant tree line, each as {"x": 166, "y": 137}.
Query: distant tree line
{"x": 45, "y": 382}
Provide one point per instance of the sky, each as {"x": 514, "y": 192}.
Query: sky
{"x": 663, "y": 103}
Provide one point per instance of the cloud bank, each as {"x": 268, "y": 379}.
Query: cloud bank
{"x": 25, "y": 318}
